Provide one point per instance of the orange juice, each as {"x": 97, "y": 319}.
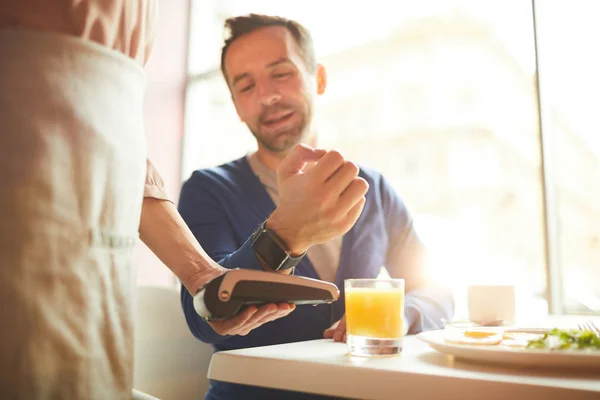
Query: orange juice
{"x": 374, "y": 312}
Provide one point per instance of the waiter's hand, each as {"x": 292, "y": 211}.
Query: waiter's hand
{"x": 251, "y": 318}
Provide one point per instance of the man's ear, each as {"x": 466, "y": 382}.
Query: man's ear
{"x": 321, "y": 79}
{"x": 236, "y": 109}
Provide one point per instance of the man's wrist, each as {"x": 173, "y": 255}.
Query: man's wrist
{"x": 271, "y": 252}
{"x": 409, "y": 318}
{"x": 276, "y": 224}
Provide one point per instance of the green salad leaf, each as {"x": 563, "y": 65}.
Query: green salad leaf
{"x": 566, "y": 339}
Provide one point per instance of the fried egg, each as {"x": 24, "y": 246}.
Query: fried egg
{"x": 489, "y": 337}
{"x": 474, "y": 336}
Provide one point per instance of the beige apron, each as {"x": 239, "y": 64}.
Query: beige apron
{"x": 72, "y": 168}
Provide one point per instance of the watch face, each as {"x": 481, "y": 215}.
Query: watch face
{"x": 265, "y": 247}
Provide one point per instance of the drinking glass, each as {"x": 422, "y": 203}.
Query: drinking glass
{"x": 374, "y": 310}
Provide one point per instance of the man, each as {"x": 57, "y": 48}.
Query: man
{"x": 270, "y": 68}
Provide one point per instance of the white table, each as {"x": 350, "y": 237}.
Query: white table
{"x": 324, "y": 367}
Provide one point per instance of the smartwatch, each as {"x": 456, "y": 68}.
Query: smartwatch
{"x": 270, "y": 249}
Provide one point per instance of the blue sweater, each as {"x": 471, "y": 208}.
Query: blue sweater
{"x": 224, "y": 205}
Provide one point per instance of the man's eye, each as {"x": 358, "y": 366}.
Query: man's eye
{"x": 246, "y": 88}
{"x": 282, "y": 75}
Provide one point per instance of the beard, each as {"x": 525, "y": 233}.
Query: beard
{"x": 284, "y": 139}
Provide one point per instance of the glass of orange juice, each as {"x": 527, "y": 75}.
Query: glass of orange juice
{"x": 374, "y": 311}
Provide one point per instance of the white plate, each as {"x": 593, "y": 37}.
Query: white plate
{"x": 513, "y": 356}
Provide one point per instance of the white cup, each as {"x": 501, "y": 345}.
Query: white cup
{"x": 491, "y": 304}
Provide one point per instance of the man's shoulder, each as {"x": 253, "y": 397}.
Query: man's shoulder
{"x": 370, "y": 174}
{"x": 374, "y": 178}
{"x": 230, "y": 173}
{"x": 381, "y": 190}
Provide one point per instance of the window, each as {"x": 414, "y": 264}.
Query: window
{"x": 569, "y": 64}
{"x": 443, "y": 98}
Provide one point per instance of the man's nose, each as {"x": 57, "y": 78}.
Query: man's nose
{"x": 268, "y": 94}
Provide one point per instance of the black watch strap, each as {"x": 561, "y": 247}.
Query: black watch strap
{"x": 271, "y": 249}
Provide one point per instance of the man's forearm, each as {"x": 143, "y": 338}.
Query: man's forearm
{"x": 164, "y": 231}
{"x": 427, "y": 307}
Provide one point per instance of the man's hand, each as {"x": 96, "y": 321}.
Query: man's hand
{"x": 251, "y": 318}
{"x": 317, "y": 205}
{"x": 337, "y": 331}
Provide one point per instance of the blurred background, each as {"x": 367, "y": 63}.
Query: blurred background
{"x": 479, "y": 112}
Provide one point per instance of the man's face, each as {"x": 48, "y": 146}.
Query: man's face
{"x": 271, "y": 87}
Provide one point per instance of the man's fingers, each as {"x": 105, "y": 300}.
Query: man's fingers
{"x": 337, "y": 331}
{"x": 342, "y": 178}
{"x": 340, "y": 330}
{"x": 328, "y": 165}
{"x": 352, "y": 195}
{"x": 328, "y": 333}
{"x": 353, "y": 215}
{"x": 294, "y": 162}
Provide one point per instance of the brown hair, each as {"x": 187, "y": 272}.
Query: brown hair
{"x": 242, "y": 25}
